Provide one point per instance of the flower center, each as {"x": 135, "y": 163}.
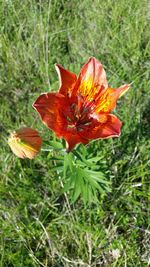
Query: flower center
{"x": 79, "y": 115}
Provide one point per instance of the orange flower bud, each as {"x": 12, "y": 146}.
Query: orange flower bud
{"x": 25, "y": 143}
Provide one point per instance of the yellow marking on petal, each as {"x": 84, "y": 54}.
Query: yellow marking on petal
{"x": 104, "y": 103}
{"x": 88, "y": 89}
{"x": 25, "y": 143}
{"x": 103, "y": 107}
{"x": 102, "y": 119}
{"x": 17, "y": 140}
{"x": 27, "y": 146}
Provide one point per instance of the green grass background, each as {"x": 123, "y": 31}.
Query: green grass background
{"x": 38, "y": 225}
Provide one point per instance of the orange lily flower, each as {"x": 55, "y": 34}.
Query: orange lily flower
{"x": 80, "y": 110}
{"x": 25, "y": 143}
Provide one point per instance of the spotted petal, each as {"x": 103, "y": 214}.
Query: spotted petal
{"x": 110, "y": 127}
{"x": 67, "y": 80}
{"x": 107, "y": 101}
{"x": 98, "y": 129}
{"x": 92, "y": 80}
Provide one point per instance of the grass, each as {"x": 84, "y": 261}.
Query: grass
{"x": 38, "y": 224}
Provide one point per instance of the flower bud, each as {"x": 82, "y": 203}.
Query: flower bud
{"x": 25, "y": 143}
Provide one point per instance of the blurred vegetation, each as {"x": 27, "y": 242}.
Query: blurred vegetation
{"x": 38, "y": 224}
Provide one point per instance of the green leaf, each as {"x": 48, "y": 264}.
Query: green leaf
{"x": 83, "y": 176}
{"x": 68, "y": 163}
{"x": 56, "y": 144}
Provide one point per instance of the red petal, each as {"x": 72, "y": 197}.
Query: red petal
{"x": 92, "y": 80}
{"x": 67, "y": 80}
{"x": 97, "y": 130}
{"x": 110, "y": 128}
{"x": 53, "y": 109}
{"x": 73, "y": 138}
{"x": 122, "y": 90}
{"x": 107, "y": 101}
{"x": 50, "y": 107}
